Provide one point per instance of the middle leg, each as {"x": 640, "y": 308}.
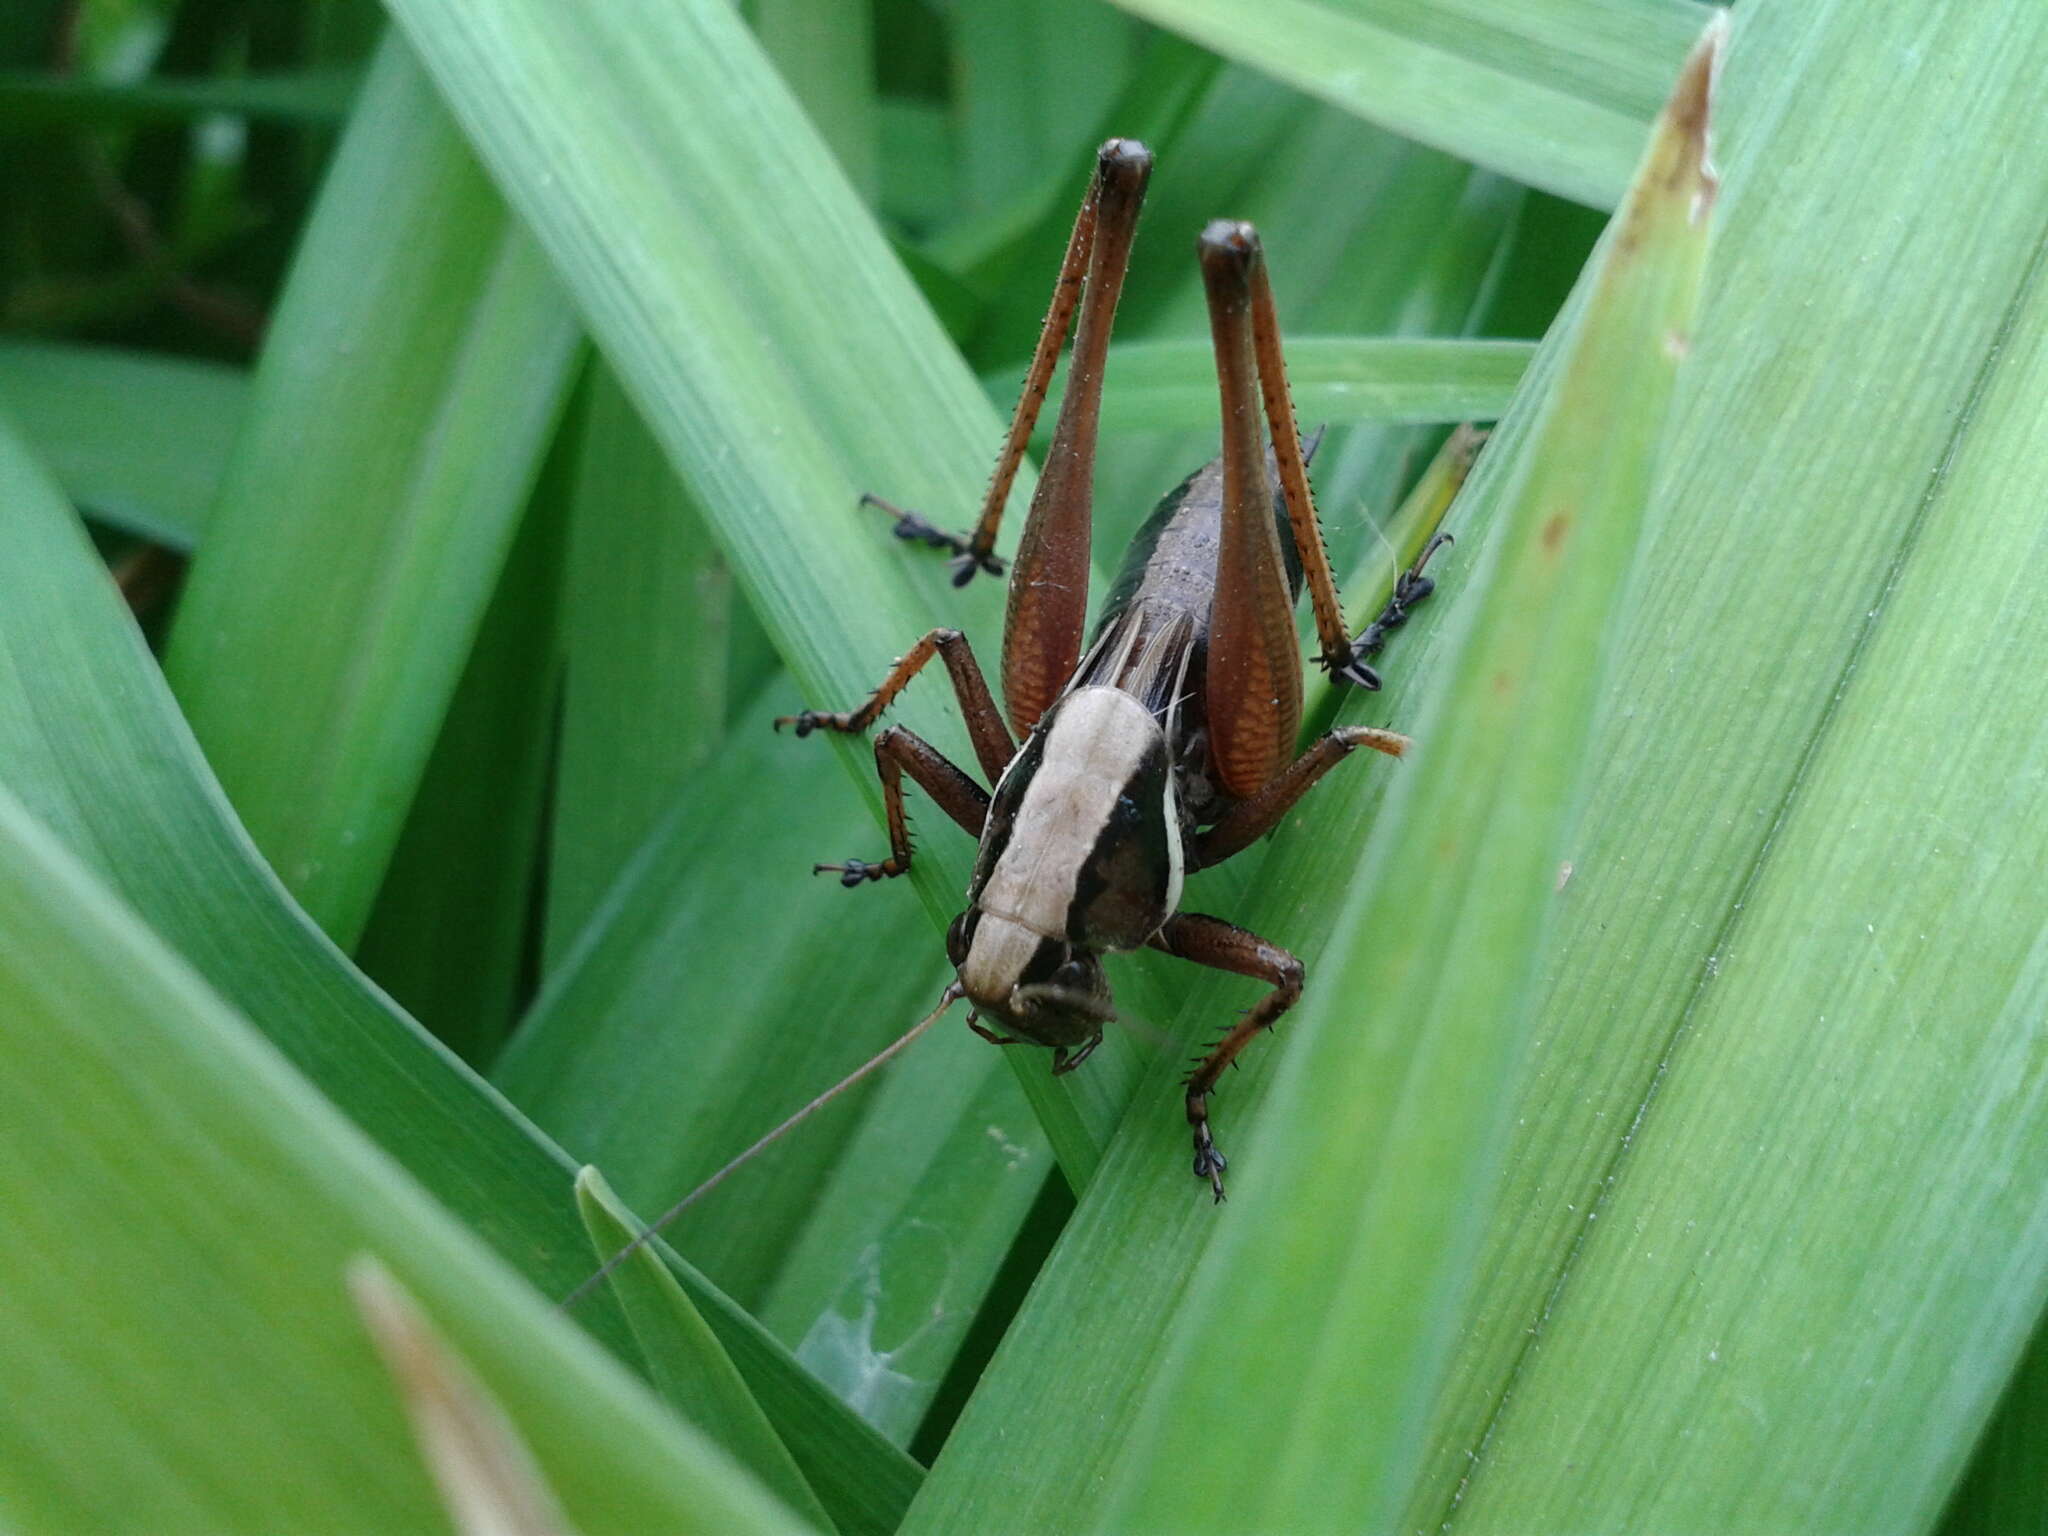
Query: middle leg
{"x": 993, "y": 746}
{"x": 898, "y": 751}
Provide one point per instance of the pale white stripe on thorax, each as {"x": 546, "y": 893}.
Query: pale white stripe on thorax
{"x": 1096, "y": 743}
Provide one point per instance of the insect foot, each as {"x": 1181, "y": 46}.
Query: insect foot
{"x": 969, "y": 561}
{"x": 805, "y": 722}
{"x": 1209, "y": 1159}
{"x": 917, "y": 529}
{"x": 858, "y": 871}
{"x": 1410, "y": 589}
{"x": 1354, "y": 671}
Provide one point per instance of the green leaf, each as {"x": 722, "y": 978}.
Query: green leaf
{"x": 1337, "y": 380}
{"x": 878, "y": 1292}
{"x": 217, "y": 1376}
{"x": 825, "y": 51}
{"x": 1373, "y": 1155}
{"x": 485, "y": 1474}
{"x": 140, "y": 440}
{"x": 91, "y": 741}
{"x": 406, "y": 394}
{"x": 1557, "y": 94}
{"x": 447, "y": 937}
{"x": 916, "y": 172}
{"x": 39, "y": 100}
{"x": 691, "y": 1371}
{"x": 1034, "y": 75}
{"x": 2005, "y": 1490}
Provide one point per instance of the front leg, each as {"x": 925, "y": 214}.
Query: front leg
{"x": 897, "y": 750}
{"x": 993, "y": 746}
{"x": 1211, "y": 941}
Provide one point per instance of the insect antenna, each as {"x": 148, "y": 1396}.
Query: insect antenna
{"x": 873, "y": 1064}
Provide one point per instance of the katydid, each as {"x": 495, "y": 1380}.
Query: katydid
{"x": 1165, "y": 743}
{"x": 1163, "y": 746}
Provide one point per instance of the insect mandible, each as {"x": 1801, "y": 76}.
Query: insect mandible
{"x": 1166, "y": 743}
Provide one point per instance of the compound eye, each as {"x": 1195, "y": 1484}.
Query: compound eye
{"x": 1071, "y": 977}
{"x": 959, "y": 936}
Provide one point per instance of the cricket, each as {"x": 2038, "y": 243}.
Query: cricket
{"x": 1166, "y": 743}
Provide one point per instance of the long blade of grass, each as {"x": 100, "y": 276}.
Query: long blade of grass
{"x": 1850, "y": 1125}
{"x": 1557, "y": 94}
{"x": 2005, "y": 1490}
{"x": 878, "y": 1292}
{"x": 825, "y": 49}
{"x": 648, "y": 609}
{"x": 448, "y": 935}
{"x": 91, "y": 740}
{"x": 310, "y": 96}
{"x": 1033, "y": 75}
{"x": 1372, "y": 1159}
{"x": 407, "y": 393}
{"x": 181, "y": 1345}
{"x": 140, "y": 441}
{"x": 486, "y": 1476}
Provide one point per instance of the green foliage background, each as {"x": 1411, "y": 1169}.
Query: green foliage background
{"x": 469, "y": 405}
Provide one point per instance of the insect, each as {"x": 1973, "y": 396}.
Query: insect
{"x": 1165, "y": 743}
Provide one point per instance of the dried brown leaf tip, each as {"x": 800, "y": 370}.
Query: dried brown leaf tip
{"x": 1684, "y": 127}
{"x": 1678, "y": 163}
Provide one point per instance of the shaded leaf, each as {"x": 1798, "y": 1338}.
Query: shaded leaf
{"x": 139, "y": 440}
{"x": 407, "y": 391}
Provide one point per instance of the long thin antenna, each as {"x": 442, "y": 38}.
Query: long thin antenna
{"x": 873, "y": 1064}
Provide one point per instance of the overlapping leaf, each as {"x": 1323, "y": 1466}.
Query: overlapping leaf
{"x": 92, "y": 743}
{"x": 216, "y": 1376}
